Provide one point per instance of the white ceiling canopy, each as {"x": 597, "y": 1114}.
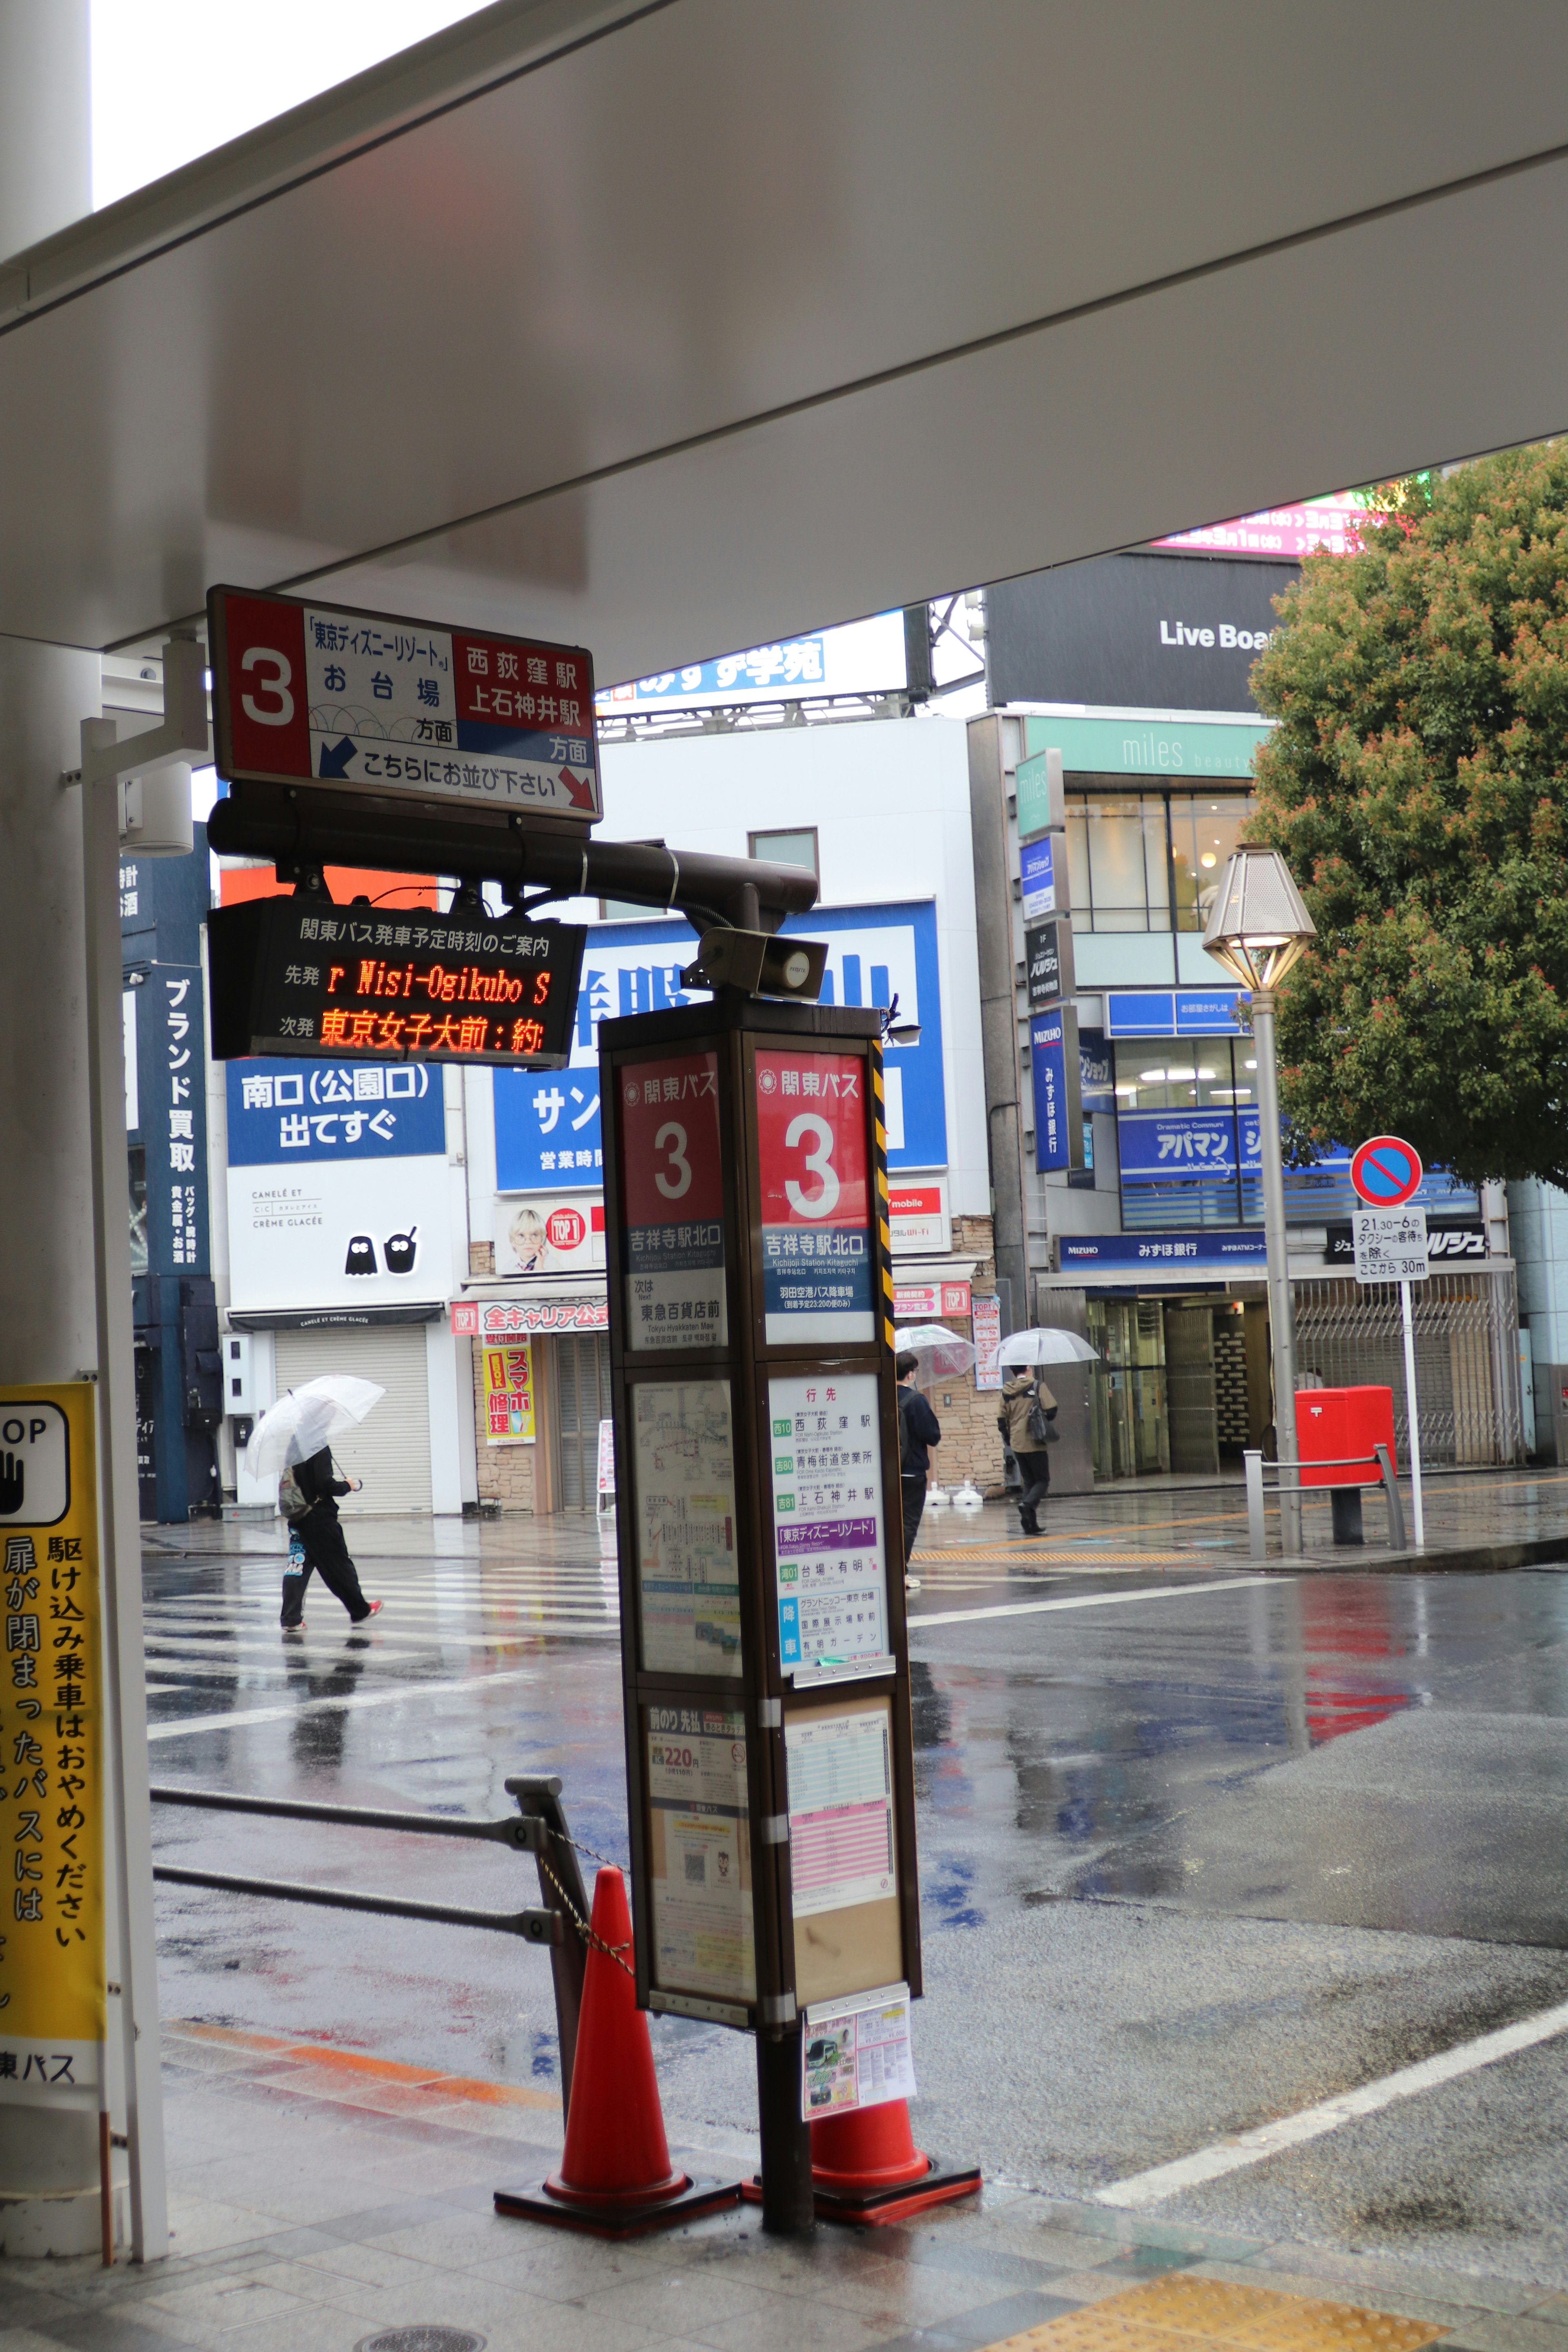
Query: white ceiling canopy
{"x": 669, "y": 328}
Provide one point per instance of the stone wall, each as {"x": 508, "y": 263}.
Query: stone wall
{"x": 971, "y": 1447}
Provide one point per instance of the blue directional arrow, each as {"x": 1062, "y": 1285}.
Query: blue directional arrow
{"x": 335, "y": 762}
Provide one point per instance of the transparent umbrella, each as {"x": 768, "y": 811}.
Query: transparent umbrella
{"x": 308, "y": 1417}
{"x": 943, "y": 1355}
{"x": 1044, "y": 1346}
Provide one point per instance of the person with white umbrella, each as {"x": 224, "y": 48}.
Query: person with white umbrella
{"x": 1029, "y": 1410}
{"x": 293, "y": 1439}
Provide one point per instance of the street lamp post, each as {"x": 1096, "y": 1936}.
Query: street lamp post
{"x": 1257, "y": 928}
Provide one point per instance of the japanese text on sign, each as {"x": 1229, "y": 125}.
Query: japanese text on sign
{"x": 673, "y": 1203}
{"x": 816, "y": 1197}
{"x": 51, "y": 1713}
{"x": 303, "y": 692}
{"x": 1391, "y": 1245}
{"x": 700, "y": 1854}
{"x": 509, "y": 1394}
{"x": 688, "y": 1575}
{"x": 829, "y": 1528}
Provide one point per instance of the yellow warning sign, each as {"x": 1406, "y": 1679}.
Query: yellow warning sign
{"x": 52, "y": 1992}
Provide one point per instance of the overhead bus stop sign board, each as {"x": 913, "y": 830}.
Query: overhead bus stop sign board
{"x": 310, "y": 693}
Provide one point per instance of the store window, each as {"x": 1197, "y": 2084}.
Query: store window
{"x": 1149, "y": 861}
{"x": 1204, "y": 830}
{"x": 797, "y": 847}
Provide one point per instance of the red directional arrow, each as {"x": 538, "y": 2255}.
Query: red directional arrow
{"x": 580, "y": 790}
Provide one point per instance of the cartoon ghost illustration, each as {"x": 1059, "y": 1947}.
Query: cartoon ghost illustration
{"x": 361, "y": 1258}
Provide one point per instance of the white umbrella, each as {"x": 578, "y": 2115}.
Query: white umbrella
{"x": 943, "y": 1355}
{"x": 1047, "y": 1347}
{"x": 305, "y": 1420}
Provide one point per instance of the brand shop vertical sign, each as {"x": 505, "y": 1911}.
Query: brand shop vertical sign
{"x": 815, "y": 1200}
{"x": 673, "y": 1198}
{"x": 52, "y": 1996}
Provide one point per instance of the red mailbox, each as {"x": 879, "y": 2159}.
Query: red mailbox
{"x": 1342, "y": 1427}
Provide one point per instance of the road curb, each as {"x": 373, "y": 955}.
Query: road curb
{"x": 1467, "y": 1559}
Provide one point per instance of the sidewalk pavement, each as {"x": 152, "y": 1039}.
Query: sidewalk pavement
{"x": 321, "y": 2200}
{"x": 1477, "y": 1521}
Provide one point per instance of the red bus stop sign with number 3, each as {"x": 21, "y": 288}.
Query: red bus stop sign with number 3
{"x": 1386, "y": 1171}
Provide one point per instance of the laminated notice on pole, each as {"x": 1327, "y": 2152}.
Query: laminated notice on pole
{"x": 856, "y": 2053}
{"x": 51, "y": 1725}
{"x": 1391, "y": 1245}
{"x": 840, "y": 1810}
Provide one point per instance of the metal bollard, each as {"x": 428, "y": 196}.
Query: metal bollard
{"x": 1397, "y": 1538}
{"x": 1257, "y": 1533}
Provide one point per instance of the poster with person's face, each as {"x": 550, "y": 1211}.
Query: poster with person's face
{"x": 545, "y": 1237}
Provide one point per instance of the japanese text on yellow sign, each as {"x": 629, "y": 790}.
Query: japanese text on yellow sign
{"x": 508, "y": 1394}
{"x": 51, "y": 1778}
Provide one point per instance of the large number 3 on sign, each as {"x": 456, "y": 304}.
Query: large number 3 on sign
{"x": 811, "y": 1125}
{"x": 677, "y": 1183}
{"x": 271, "y": 673}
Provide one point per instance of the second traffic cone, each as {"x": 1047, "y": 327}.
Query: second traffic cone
{"x": 615, "y": 2175}
{"x": 866, "y": 2168}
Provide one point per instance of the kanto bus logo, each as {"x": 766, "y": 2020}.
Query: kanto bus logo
{"x": 566, "y": 1230}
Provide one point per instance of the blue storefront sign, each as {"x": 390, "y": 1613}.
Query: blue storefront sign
{"x": 547, "y": 1126}
{"x": 1096, "y": 1070}
{"x": 1173, "y": 1013}
{"x": 1218, "y": 1247}
{"x": 1059, "y": 1114}
{"x": 1159, "y": 1145}
{"x": 1042, "y": 878}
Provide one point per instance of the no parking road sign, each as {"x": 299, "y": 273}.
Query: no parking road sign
{"x": 1386, "y": 1171}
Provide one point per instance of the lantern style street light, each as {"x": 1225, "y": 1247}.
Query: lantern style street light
{"x": 1259, "y": 928}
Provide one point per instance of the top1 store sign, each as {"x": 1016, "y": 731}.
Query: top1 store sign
{"x": 328, "y": 694}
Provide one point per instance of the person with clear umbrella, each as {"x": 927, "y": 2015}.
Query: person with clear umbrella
{"x": 1027, "y": 1418}
{"x": 293, "y": 1441}
{"x": 926, "y": 1352}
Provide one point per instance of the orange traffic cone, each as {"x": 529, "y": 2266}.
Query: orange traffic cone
{"x": 866, "y": 2168}
{"x": 615, "y": 2176}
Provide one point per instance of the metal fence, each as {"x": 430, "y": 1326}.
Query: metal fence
{"x": 1467, "y": 1358}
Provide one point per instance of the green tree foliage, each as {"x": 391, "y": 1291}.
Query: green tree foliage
{"x": 1417, "y": 786}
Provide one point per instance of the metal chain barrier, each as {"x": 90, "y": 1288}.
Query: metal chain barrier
{"x": 594, "y": 1943}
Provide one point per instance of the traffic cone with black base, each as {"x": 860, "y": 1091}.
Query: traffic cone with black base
{"x": 866, "y": 2168}
{"x": 615, "y": 2178}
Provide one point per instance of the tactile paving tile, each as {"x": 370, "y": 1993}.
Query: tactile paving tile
{"x": 1179, "y": 2311}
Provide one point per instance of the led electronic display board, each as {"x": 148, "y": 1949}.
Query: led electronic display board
{"x": 304, "y": 976}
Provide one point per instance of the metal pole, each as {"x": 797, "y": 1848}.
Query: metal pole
{"x": 789, "y": 2208}
{"x": 1415, "y": 1425}
{"x": 125, "y": 1749}
{"x": 1257, "y": 1526}
{"x": 1281, "y": 1317}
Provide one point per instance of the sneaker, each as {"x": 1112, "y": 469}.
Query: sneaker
{"x": 295, "y": 1629}
{"x": 370, "y": 1612}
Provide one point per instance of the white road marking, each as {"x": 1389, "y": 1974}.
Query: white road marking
{"x": 470, "y": 1684}
{"x": 1086, "y": 1601}
{"x": 1165, "y": 2181}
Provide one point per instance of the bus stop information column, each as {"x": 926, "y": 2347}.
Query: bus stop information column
{"x": 770, "y": 1759}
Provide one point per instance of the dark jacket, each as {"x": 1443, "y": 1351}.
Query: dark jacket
{"x": 1013, "y": 1421}
{"x": 919, "y": 1431}
{"x": 318, "y": 1482}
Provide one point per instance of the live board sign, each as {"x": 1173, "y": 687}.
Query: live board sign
{"x": 303, "y": 975}
{"x": 305, "y": 692}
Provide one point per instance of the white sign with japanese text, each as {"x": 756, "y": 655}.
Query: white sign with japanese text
{"x": 1391, "y": 1245}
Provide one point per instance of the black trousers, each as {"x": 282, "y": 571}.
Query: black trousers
{"x": 1034, "y": 1470}
{"x": 914, "y": 1505}
{"x": 326, "y": 1552}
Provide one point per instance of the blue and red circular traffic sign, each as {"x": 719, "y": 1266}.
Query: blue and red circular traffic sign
{"x": 1386, "y": 1172}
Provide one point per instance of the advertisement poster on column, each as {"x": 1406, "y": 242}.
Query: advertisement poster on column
{"x": 509, "y": 1392}
{"x": 672, "y": 1197}
{"x": 815, "y": 1198}
{"x": 51, "y": 1817}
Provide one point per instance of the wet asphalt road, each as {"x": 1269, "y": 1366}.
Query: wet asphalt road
{"x": 1197, "y": 1851}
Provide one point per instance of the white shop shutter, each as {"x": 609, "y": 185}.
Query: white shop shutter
{"x": 390, "y": 1450}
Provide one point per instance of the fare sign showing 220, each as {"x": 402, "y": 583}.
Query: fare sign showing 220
{"x": 308, "y": 693}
